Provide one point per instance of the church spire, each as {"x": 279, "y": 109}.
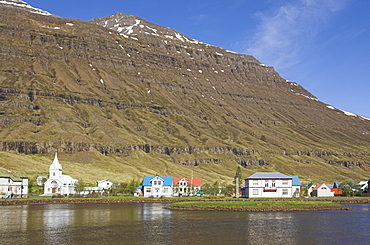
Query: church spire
{"x": 55, "y": 170}
{"x": 56, "y": 165}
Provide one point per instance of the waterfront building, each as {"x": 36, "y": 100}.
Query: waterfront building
{"x": 13, "y": 184}
{"x": 296, "y": 186}
{"x": 186, "y": 187}
{"x": 105, "y": 184}
{"x": 322, "y": 190}
{"x": 57, "y": 182}
{"x": 157, "y": 186}
{"x": 101, "y": 187}
{"x": 268, "y": 185}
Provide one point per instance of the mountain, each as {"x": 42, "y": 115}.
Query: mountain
{"x": 120, "y": 97}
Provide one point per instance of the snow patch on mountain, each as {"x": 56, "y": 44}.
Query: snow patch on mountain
{"x": 348, "y": 113}
{"x": 24, "y": 5}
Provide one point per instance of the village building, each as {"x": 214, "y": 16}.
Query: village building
{"x": 58, "y": 183}
{"x": 91, "y": 190}
{"x": 364, "y": 186}
{"x": 105, "y": 184}
{"x": 186, "y": 187}
{"x": 157, "y": 186}
{"x": 322, "y": 190}
{"x": 296, "y": 186}
{"x": 269, "y": 185}
{"x": 13, "y": 184}
{"x": 101, "y": 187}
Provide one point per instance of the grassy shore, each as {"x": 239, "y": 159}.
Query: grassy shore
{"x": 258, "y": 206}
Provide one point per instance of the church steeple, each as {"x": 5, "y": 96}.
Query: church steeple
{"x": 55, "y": 170}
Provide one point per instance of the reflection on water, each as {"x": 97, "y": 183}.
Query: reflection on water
{"x": 132, "y": 223}
{"x": 260, "y": 225}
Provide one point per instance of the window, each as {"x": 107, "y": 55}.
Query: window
{"x": 154, "y": 182}
{"x": 273, "y": 184}
{"x": 255, "y": 182}
{"x": 285, "y": 182}
{"x": 324, "y": 188}
{"x": 285, "y": 192}
{"x": 148, "y": 190}
{"x": 157, "y": 190}
{"x": 165, "y": 190}
{"x": 266, "y": 183}
{"x": 255, "y": 192}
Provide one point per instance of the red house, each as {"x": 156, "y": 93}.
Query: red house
{"x": 186, "y": 186}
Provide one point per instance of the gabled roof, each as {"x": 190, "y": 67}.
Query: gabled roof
{"x": 364, "y": 182}
{"x": 13, "y": 175}
{"x": 269, "y": 175}
{"x": 104, "y": 181}
{"x": 148, "y": 180}
{"x": 318, "y": 186}
{"x": 310, "y": 185}
{"x": 66, "y": 179}
{"x": 296, "y": 181}
{"x": 191, "y": 181}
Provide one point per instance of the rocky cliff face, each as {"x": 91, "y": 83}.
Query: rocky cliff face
{"x": 120, "y": 84}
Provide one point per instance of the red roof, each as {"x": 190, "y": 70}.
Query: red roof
{"x": 336, "y": 191}
{"x": 317, "y": 187}
{"x": 194, "y": 181}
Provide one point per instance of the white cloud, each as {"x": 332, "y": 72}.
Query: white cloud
{"x": 284, "y": 32}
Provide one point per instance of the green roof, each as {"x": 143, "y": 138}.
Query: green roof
{"x": 13, "y": 175}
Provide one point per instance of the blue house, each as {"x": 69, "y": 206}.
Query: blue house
{"x": 296, "y": 186}
{"x": 157, "y": 186}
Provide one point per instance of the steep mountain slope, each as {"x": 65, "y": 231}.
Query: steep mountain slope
{"x": 128, "y": 98}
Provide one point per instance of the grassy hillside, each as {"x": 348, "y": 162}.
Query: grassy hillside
{"x": 120, "y": 107}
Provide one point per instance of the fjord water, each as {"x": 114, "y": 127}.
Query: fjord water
{"x": 149, "y": 223}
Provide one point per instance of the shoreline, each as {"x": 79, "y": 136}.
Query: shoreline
{"x": 246, "y": 209}
{"x": 47, "y": 201}
{"x": 43, "y": 201}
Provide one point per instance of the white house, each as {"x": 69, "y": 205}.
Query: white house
{"x": 186, "y": 187}
{"x": 105, "y": 184}
{"x": 102, "y": 185}
{"x": 322, "y": 190}
{"x": 364, "y": 185}
{"x": 268, "y": 185}
{"x": 157, "y": 186}
{"x": 57, "y": 182}
{"x": 90, "y": 190}
{"x": 13, "y": 184}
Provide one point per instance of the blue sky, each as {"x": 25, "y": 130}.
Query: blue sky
{"x": 324, "y": 45}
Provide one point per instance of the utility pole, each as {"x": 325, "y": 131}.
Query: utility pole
{"x": 237, "y": 187}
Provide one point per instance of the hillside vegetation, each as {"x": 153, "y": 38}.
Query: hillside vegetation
{"x": 119, "y": 106}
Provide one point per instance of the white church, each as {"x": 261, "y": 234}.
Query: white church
{"x": 57, "y": 182}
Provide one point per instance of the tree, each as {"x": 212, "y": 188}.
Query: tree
{"x": 349, "y": 188}
{"x": 132, "y": 186}
{"x": 127, "y": 187}
{"x": 33, "y": 188}
{"x": 238, "y": 181}
{"x": 79, "y": 186}
{"x": 214, "y": 190}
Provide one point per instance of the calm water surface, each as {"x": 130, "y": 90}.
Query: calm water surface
{"x": 132, "y": 223}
